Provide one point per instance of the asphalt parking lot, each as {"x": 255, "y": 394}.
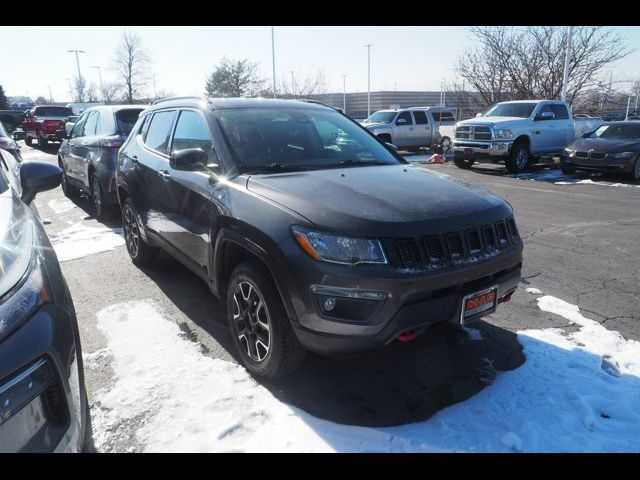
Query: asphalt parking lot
{"x": 581, "y": 245}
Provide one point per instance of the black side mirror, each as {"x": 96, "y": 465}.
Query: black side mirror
{"x": 36, "y": 177}
{"x": 191, "y": 159}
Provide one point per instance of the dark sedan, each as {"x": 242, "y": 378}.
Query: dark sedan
{"x": 43, "y": 401}
{"x": 613, "y": 148}
{"x": 88, "y": 157}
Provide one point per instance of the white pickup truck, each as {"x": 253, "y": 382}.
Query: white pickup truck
{"x": 519, "y": 133}
{"x": 415, "y": 127}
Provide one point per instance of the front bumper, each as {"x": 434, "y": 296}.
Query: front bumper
{"x": 606, "y": 164}
{"x": 412, "y": 300}
{"x": 472, "y": 149}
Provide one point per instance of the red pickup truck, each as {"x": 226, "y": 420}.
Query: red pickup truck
{"x": 44, "y": 122}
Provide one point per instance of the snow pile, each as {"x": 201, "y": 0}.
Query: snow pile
{"x": 591, "y": 182}
{"x": 576, "y": 392}
{"x": 79, "y": 241}
{"x": 534, "y": 291}
{"x": 60, "y": 206}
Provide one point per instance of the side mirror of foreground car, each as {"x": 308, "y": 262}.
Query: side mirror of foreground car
{"x": 36, "y": 177}
{"x": 192, "y": 159}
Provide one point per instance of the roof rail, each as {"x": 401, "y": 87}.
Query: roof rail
{"x": 186, "y": 97}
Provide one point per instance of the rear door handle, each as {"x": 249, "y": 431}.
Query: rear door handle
{"x": 165, "y": 175}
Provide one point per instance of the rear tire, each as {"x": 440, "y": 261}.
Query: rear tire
{"x": 444, "y": 147}
{"x": 28, "y": 140}
{"x": 97, "y": 197}
{"x": 518, "y": 158}
{"x": 257, "y": 317}
{"x": 140, "y": 252}
{"x": 635, "y": 174}
{"x": 463, "y": 163}
{"x": 42, "y": 142}
{"x": 568, "y": 170}
{"x": 68, "y": 189}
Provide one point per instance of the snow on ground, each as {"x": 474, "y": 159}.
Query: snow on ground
{"x": 80, "y": 240}
{"x": 558, "y": 178}
{"x": 576, "y": 392}
{"x": 63, "y": 205}
{"x": 534, "y": 291}
{"x": 588, "y": 181}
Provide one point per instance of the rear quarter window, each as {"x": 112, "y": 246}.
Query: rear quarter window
{"x": 126, "y": 119}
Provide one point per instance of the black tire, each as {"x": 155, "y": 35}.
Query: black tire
{"x": 635, "y": 173}
{"x": 463, "y": 163}
{"x": 284, "y": 353}
{"x": 88, "y": 445}
{"x": 518, "y": 158}
{"x": 42, "y": 142}
{"x": 97, "y": 197}
{"x": 384, "y": 137}
{"x": 568, "y": 170}
{"x": 28, "y": 140}
{"x": 140, "y": 252}
{"x": 69, "y": 190}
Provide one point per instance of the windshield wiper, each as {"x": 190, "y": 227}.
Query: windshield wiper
{"x": 359, "y": 163}
{"x": 272, "y": 167}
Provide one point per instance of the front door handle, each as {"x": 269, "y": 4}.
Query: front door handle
{"x": 165, "y": 175}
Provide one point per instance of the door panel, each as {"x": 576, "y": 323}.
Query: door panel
{"x": 545, "y": 134}
{"x": 422, "y": 132}
{"x": 404, "y": 131}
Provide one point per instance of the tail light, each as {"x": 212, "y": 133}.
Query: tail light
{"x": 112, "y": 141}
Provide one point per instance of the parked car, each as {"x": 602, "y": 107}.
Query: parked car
{"x": 9, "y": 144}
{"x": 633, "y": 117}
{"x": 69, "y": 122}
{"x": 43, "y": 400}
{"x": 311, "y": 246}
{"x": 518, "y": 133}
{"x": 88, "y": 156}
{"x": 614, "y": 147}
{"x": 412, "y": 128}
{"x": 11, "y": 119}
{"x": 43, "y": 122}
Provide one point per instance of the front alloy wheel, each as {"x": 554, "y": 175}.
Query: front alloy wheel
{"x": 141, "y": 252}
{"x": 636, "y": 171}
{"x": 252, "y": 321}
{"x": 96, "y": 195}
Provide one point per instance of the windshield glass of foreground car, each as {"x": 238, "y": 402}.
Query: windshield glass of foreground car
{"x": 627, "y": 131}
{"x": 273, "y": 139}
{"x": 381, "y": 117}
{"x": 522, "y": 110}
{"x": 63, "y": 112}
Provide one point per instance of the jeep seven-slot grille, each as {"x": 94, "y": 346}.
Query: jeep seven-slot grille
{"x": 455, "y": 247}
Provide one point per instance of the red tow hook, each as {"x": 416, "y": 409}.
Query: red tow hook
{"x": 506, "y": 298}
{"x": 407, "y": 336}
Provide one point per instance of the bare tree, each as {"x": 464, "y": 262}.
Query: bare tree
{"x": 131, "y": 62}
{"x": 310, "y": 84}
{"x": 109, "y": 91}
{"x": 78, "y": 88}
{"x": 41, "y": 100}
{"x": 92, "y": 93}
{"x": 234, "y": 78}
{"x": 526, "y": 63}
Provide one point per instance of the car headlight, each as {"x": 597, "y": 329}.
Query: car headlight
{"x": 338, "y": 249}
{"x": 622, "y": 155}
{"x": 503, "y": 133}
{"x": 569, "y": 152}
{"x": 16, "y": 250}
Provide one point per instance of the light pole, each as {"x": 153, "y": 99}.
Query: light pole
{"x": 273, "y": 61}
{"x": 77, "y": 60}
{"x": 70, "y": 88}
{"x": 369, "y": 45}
{"x": 50, "y": 95}
{"x": 344, "y": 93}
{"x": 100, "y": 78}
{"x": 567, "y": 57}
{"x": 154, "y": 85}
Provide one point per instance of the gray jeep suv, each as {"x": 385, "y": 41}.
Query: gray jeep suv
{"x": 312, "y": 243}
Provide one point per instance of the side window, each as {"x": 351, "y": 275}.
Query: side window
{"x": 144, "y": 126}
{"x": 90, "y": 125}
{"x": 191, "y": 132}
{"x": 447, "y": 117}
{"x": 78, "y": 127}
{"x": 560, "y": 112}
{"x": 436, "y": 116}
{"x": 421, "y": 117}
{"x": 157, "y": 136}
{"x": 406, "y": 116}
{"x": 546, "y": 108}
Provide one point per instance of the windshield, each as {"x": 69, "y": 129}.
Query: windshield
{"x": 626, "y": 131}
{"x": 53, "y": 112}
{"x": 381, "y": 117}
{"x": 126, "y": 120}
{"x": 522, "y": 110}
{"x": 272, "y": 139}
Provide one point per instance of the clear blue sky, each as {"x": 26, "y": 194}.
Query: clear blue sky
{"x": 406, "y": 58}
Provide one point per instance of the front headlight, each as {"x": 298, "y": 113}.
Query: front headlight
{"x": 622, "y": 155}
{"x": 338, "y": 249}
{"x": 16, "y": 250}
{"x": 503, "y": 133}
{"x": 569, "y": 152}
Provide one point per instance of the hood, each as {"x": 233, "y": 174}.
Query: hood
{"x": 392, "y": 200}
{"x": 493, "y": 121}
{"x": 605, "y": 145}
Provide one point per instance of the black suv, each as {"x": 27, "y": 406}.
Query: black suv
{"x": 315, "y": 234}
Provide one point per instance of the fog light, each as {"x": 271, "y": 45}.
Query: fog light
{"x": 329, "y": 304}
